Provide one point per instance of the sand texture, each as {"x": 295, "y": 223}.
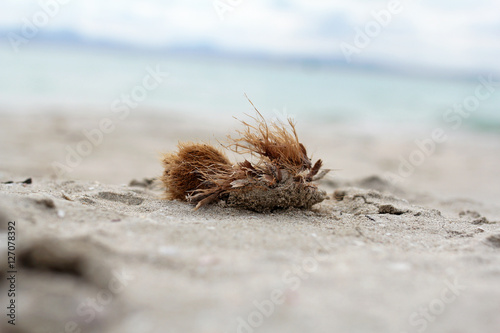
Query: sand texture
{"x": 99, "y": 253}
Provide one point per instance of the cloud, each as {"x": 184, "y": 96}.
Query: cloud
{"x": 452, "y": 33}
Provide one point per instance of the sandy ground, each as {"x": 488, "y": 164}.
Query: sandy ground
{"x": 96, "y": 254}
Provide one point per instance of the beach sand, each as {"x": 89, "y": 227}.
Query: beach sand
{"x": 97, "y": 252}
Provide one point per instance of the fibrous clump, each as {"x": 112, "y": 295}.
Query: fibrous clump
{"x": 281, "y": 177}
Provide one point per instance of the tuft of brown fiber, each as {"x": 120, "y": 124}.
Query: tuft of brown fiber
{"x": 187, "y": 170}
{"x": 281, "y": 177}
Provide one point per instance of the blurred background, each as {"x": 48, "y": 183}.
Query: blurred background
{"x": 289, "y": 57}
{"x": 363, "y": 80}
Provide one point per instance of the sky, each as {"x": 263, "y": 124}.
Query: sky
{"x": 446, "y": 34}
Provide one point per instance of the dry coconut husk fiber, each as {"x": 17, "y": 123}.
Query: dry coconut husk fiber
{"x": 280, "y": 176}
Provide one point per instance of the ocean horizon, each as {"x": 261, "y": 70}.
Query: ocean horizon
{"x": 62, "y": 75}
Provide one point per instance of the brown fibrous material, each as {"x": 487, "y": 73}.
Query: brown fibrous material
{"x": 282, "y": 176}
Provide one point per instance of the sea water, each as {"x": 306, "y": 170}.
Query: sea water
{"x": 43, "y": 76}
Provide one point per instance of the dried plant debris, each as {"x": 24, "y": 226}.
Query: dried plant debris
{"x": 281, "y": 177}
